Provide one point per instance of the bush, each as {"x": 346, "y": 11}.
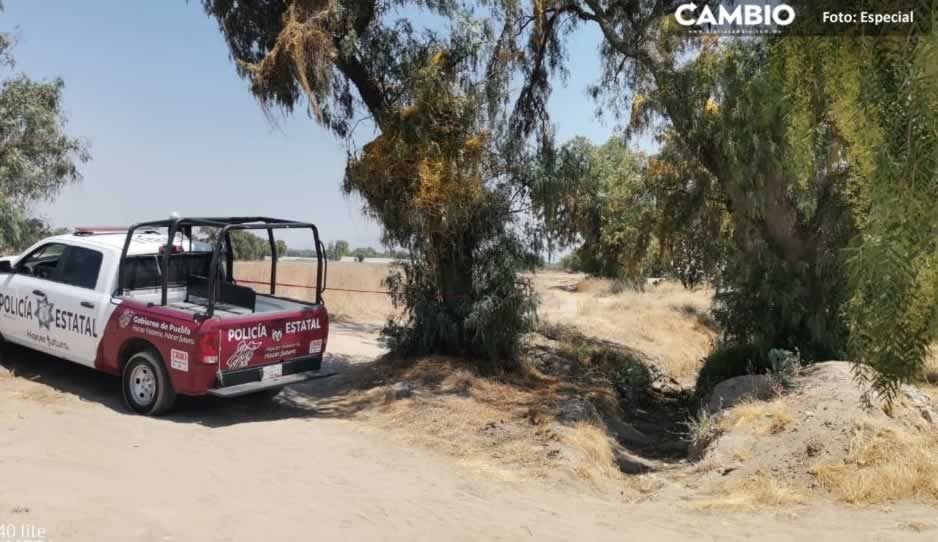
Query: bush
{"x": 784, "y": 366}
{"x": 729, "y": 361}
{"x": 702, "y": 429}
{"x": 494, "y": 307}
{"x": 631, "y": 378}
{"x": 571, "y": 263}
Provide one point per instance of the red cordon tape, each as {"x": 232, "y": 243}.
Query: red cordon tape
{"x": 313, "y": 287}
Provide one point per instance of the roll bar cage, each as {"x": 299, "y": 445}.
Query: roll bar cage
{"x": 225, "y": 225}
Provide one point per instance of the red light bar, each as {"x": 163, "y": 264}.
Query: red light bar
{"x": 89, "y": 230}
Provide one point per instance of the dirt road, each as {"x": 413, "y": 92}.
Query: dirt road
{"x": 74, "y": 462}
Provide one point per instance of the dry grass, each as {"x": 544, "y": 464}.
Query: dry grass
{"x": 883, "y": 464}
{"x": 764, "y": 418}
{"x": 358, "y": 306}
{"x": 502, "y": 426}
{"x": 930, "y": 374}
{"x": 759, "y": 491}
{"x": 666, "y": 322}
{"x": 742, "y": 454}
{"x": 644, "y": 484}
{"x": 702, "y": 429}
{"x": 597, "y": 463}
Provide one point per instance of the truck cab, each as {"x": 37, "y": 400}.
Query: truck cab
{"x": 164, "y": 310}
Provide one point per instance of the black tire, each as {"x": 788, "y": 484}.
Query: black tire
{"x": 146, "y": 384}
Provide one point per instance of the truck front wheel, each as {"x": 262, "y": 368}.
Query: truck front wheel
{"x": 147, "y": 388}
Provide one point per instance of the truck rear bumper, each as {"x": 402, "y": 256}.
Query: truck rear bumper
{"x": 279, "y": 382}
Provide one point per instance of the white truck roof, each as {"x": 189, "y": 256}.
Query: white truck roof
{"x": 142, "y": 243}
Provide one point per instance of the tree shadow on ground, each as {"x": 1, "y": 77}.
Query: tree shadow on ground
{"x": 88, "y": 384}
{"x": 650, "y": 429}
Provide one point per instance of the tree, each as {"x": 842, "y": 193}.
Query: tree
{"x": 434, "y": 180}
{"x": 730, "y": 150}
{"x": 889, "y": 114}
{"x": 810, "y": 145}
{"x": 340, "y": 249}
{"x": 594, "y": 199}
{"x": 771, "y": 157}
{"x": 445, "y": 175}
{"x": 37, "y": 157}
{"x": 33, "y": 230}
{"x": 245, "y": 245}
{"x": 281, "y": 247}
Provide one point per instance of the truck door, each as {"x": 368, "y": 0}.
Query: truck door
{"x": 18, "y": 304}
{"x": 68, "y": 310}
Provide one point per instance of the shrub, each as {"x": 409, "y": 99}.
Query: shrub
{"x": 728, "y": 361}
{"x": 631, "y": 378}
{"x": 784, "y": 366}
{"x": 486, "y": 323}
{"x": 618, "y": 286}
{"x": 702, "y": 429}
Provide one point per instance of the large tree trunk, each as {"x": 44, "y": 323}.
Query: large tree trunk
{"x": 454, "y": 264}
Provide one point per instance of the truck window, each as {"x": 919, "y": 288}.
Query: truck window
{"x": 81, "y": 267}
{"x": 42, "y": 262}
{"x": 146, "y": 271}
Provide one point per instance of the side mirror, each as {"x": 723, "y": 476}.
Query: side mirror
{"x": 6, "y": 266}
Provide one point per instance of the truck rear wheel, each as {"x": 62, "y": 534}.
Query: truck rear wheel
{"x": 147, "y": 388}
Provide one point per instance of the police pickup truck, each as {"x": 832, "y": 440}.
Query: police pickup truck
{"x": 163, "y": 310}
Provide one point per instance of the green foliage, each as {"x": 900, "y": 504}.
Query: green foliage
{"x": 784, "y": 366}
{"x": 486, "y": 322}
{"x": 426, "y": 179}
{"x": 37, "y": 157}
{"x": 728, "y": 361}
{"x": 631, "y": 378}
{"x": 246, "y": 245}
{"x": 629, "y": 374}
{"x": 590, "y": 197}
{"x": 810, "y": 144}
{"x": 571, "y": 263}
{"x": 742, "y": 199}
{"x": 361, "y": 253}
{"x": 340, "y": 249}
{"x": 777, "y": 154}
{"x": 447, "y": 173}
{"x": 335, "y": 250}
{"x": 303, "y": 252}
{"x": 894, "y": 263}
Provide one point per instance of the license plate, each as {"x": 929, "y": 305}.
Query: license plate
{"x": 271, "y": 371}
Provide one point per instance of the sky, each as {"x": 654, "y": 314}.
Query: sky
{"x": 171, "y": 127}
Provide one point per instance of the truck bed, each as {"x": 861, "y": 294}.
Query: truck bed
{"x": 176, "y": 300}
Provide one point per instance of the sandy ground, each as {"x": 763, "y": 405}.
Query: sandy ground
{"x": 75, "y": 463}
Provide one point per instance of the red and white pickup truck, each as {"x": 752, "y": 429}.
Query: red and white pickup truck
{"x": 164, "y": 311}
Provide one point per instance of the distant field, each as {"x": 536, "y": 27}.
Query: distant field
{"x": 362, "y": 307}
{"x": 666, "y": 322}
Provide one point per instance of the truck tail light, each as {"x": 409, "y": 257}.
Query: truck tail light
{"x": 209, "y": 346}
